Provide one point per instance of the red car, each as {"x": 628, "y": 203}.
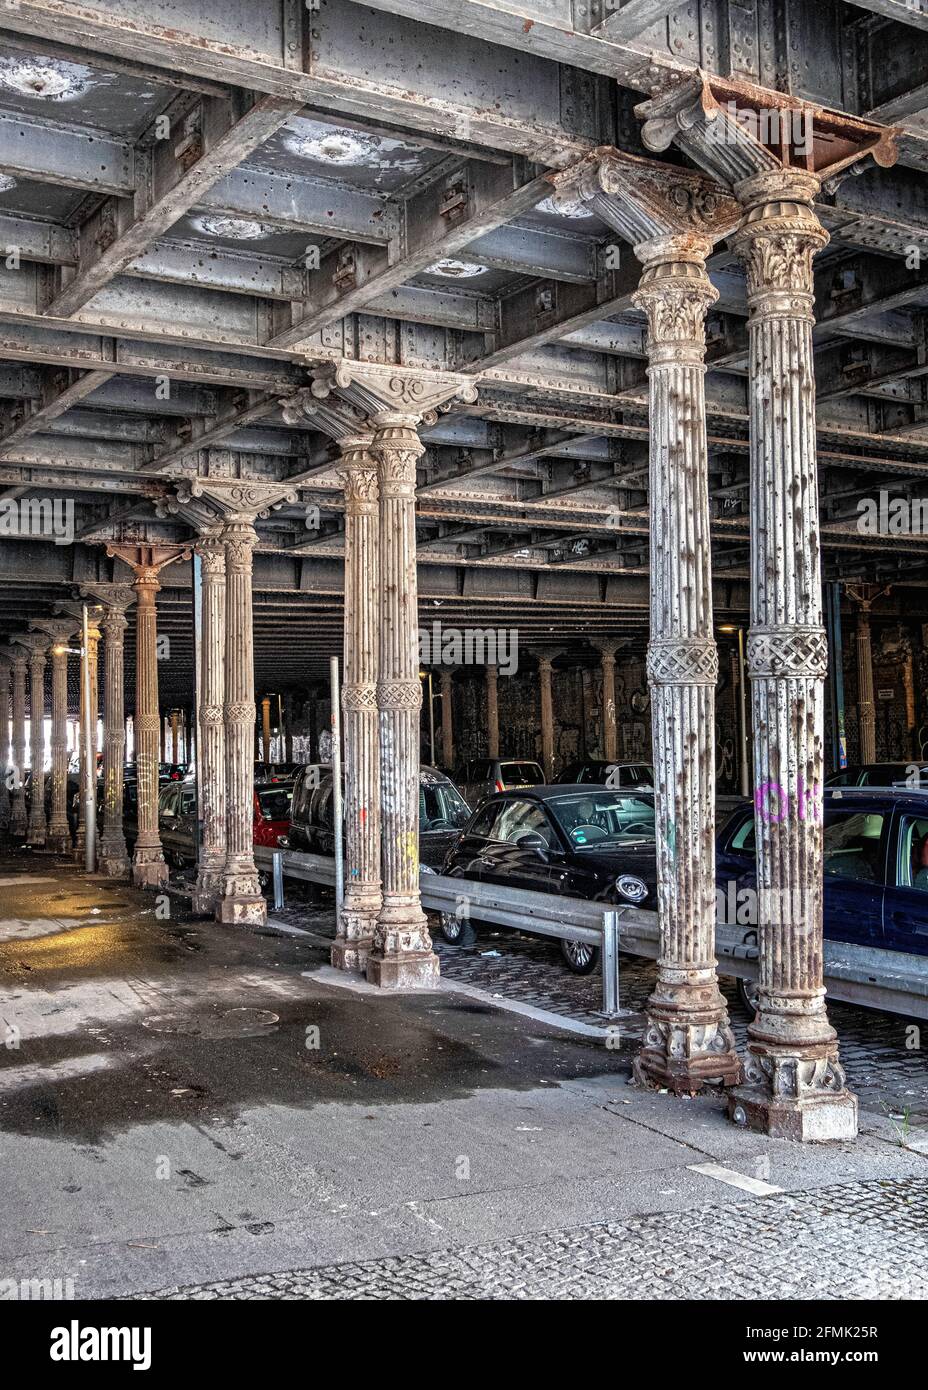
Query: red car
{"x": 272, "y": 812}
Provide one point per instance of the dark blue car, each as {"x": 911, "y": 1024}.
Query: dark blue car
{"x": 875, "y": 851}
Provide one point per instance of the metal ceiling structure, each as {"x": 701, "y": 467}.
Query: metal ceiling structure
{"x": 200, "y": 203}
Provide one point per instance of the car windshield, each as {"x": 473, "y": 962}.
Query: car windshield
{"x": 275, "y": 802}
{"x": 599, "y": 819}
{"x": 441, "y": 807}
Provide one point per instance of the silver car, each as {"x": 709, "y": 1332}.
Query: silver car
{"x": 484, "y": 776}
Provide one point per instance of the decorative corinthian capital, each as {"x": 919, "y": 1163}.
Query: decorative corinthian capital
{"x": 387, "y": 395}
{"x": 735, "y": 131}
{"x": 665, "y": 212}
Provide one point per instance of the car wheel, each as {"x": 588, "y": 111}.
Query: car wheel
{"x": 747, "y": 994}
{"x": 457, "y": 931}
{"x": 580, "y": 957}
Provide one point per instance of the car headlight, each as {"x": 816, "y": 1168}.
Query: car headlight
{"x": 426, "y": 869}
{"x": 632, "y": 887}
{"x": 283, "y": 842}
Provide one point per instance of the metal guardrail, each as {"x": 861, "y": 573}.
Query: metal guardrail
{"x": 543, "y": 914}
{"x": 878, "y": 979}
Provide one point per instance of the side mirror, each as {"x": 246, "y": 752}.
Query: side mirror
{"x": 532, "y": 840}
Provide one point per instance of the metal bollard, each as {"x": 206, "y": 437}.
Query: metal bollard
{"x": 277, "y": 860}
{"x": 610, "y": 963}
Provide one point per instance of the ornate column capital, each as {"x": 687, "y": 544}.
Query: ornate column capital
{"x": 147, "y": 562}
{"x": 112, "y": 595}
{"x": 735, "y": 132}
{"x": 546, "y": 656}
{"x": 665, "y": 212}
{"x": 37, "y": 643}
{"x": 385, "y": 395}
{"x": 208, "y": 502}
{"x": 59, "y": 631}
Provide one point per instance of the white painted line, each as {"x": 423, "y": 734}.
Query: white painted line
{"x": 733, "y": 1179}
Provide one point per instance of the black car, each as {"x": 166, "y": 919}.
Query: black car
{"x": 584, "y": 843}
{"x": 615, "y": 776}
{"x": 911, "y": 774}
{"x": 443, "y": 813}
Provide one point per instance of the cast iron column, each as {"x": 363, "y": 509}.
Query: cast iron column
{"x": 240, "y": 899}
{"x": 607, "y": 651}
{"x": 37, "y": 828}
{"x": 491, "y": 675}
{"x": 794, "y": 1082}
{"x": 687, "y": 1038}
{"x": 18, "y": 767}
{"x": 211, "y": 746}
{"x": 4, "y": 744}
{"x": 93, "y": 643}
{"x": 114, "y": 857}
{"x": 447, "y": 720}
{"x": 363, "y": 897}
{"x": 58, "y": 835}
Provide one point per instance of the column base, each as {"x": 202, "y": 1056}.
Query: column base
{"x": 114, "y": 865}
{"x": 149, "y": 869}
{"x": 683, "y": 1055}
{"x": 36, "y": 839}
{"x": 790, "y": 1095}
{"x": 413, "y": 970}
{"x": 241, "y": 910}
{"x": 58, "y": 843}
{"x": 354, "y": 942}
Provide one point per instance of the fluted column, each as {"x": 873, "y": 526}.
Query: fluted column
{"x": 546, "y": 711}
{"x": 363, "y": 898}
{"x": 491, "y": 676}
{"x": 447, "y": 719}
{"x": 4, "y": 745}
{"x": 866, "y": 713}
{"x": 88, "y": 772}
{"x": 37, "y": 827}
{"x": 266, "y": 728}
{"x": 240, "y": 899}
{"x": 607, "y": 651}
{"x": 146, "y": 562}
{"x": 211, "y": 748}
{"x": 114, "y": 857}
{"x": 794, "y": 1083}
{"x": 60, "y": 631}
{"x": 18, "y": 765}
{"x": 402, "y": 949}
{"x": 687, "y": 1038}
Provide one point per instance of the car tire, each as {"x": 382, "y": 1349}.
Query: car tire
{"x": 457, "y": 931}
{"x": 747, "y": 995}
{"x": 580, "y": 958}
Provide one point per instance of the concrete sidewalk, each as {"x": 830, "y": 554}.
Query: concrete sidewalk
{"x": 190, "y": 1103}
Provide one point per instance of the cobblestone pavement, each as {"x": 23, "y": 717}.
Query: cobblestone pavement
{"x": 849, "y": 1241}
{"x": 888, "y": 1077}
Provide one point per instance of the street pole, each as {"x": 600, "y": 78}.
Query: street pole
{"x": 742, "y": 719}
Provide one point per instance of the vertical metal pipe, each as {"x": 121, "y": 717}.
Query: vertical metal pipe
{"x": 90, "y": 761}
{"x": 337, "y": 787}
{"x": 431, "y": 720}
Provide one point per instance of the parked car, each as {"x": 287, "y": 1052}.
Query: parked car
{"x": 172, "y": 772}
{"x": 634, "y": 776}
{"x": 177, "y": 820}
{"x": 281, "y": 772}
{"x": 482, "y": 777}
{"x": 442, "y": 814}
{"x": 601, "y": 846}
{"x": 593, "y": 844}
{"x": 875, "y": 850}
{"x": 912, "y": 774}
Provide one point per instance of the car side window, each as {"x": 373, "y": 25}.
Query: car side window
{"x": 912, "y": 857}
{"x": 852, "y": 845}
{"x": 520, "y": 818}
{"x": 745, "y": 838}
{"x": 188, "y": 802}
{"x": 483, "y": 825}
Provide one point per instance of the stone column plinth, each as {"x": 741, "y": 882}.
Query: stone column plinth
{"x": 146, "y": 562}
{"x": 211, "y": 749}
{"x": 491, "y": 676}
{"x": 19, "y": 663}
{"x": 794, "y": 1083}
{"x": 687, "y": 1038}
{"x": 240, "y": 898}
{"x": 363, "y": 898}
